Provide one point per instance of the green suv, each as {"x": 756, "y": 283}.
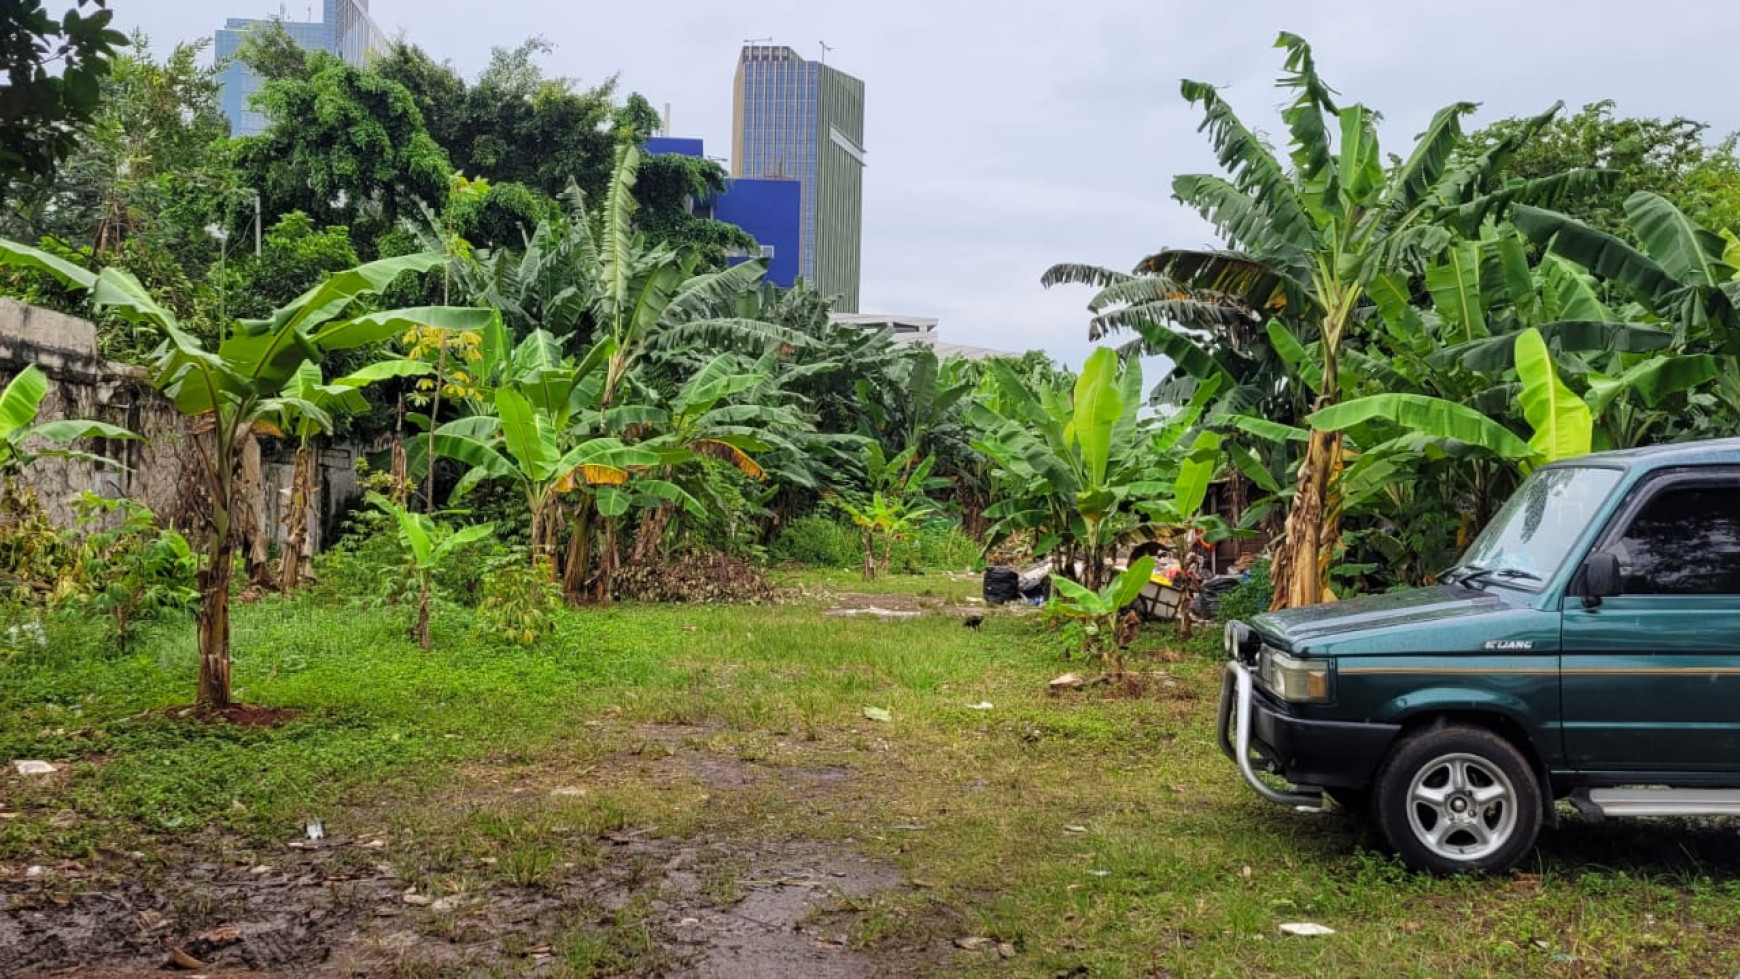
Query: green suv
{"x": 1587, "y": 647}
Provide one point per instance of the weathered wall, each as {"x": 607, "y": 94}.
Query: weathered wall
{"x": 163, "y": 466}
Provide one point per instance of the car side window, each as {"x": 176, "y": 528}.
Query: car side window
{"x": 1685, "y": 541}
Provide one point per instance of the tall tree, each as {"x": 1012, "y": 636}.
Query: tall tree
{"x": 345, "y": 146}
{"x": 53, "y": 70}
{"x": 1675, "y": 158}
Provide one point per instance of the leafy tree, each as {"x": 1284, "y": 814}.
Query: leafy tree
{"x": 247, "y": 379}
{"x": 53, "y": 75}
{"x": 346, "y": 146}
{"x": 1670, "y": 157}
{"x": 667, "y": 187}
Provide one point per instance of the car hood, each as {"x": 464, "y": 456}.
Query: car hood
{"x": 1429, "y": 607}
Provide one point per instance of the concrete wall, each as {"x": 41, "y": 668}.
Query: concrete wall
{"x": 162, "y": 467}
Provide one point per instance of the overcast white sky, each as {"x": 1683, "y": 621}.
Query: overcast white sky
{"x": 1004, "y": 137}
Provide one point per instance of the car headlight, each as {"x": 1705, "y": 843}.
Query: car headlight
{"x": 1295, "y": 680}
{"x": 1241, "y": 643}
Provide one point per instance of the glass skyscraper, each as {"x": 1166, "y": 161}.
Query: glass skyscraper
{"x": 344, "y": 29}
{"x": 803, "y": 120}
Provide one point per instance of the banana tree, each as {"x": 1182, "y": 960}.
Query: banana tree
{"x": 1686, "y": 294}
{"x": 709, "y": 418}
{"x": 892, "y": 503}
{"x": 341, "y": 397}
{"x": 1305, "y": 244}
{"x": 1098, "y": 610}
{"x": 248, "y": 379}
{"x": 428, "y": 545}
{"x": 528, "y": 444}
{"x": 1077, "y": 456}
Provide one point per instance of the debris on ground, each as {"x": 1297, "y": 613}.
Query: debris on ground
{"x": 981, "y": 705}
{"x": 878, "y": 714}
{"x": 1308, "y": 929}
{"x": 1068, "y": 681}
{"x": 875, "y": 611}
{"x": 707, "y": 577}
{"x": 34, "y": 768}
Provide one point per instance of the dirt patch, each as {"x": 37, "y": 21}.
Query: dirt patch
{"x": 773, "y": 911}
{"x": 898, "y": 606}
{"x": 716, "y": 909}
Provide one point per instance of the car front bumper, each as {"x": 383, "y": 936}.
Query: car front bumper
{"x": 1309, "y": 754}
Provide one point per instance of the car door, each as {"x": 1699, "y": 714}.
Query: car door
{"x": 1650, "y": 678}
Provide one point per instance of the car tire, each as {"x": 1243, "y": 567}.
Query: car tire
{"x": 1458, "y": 799}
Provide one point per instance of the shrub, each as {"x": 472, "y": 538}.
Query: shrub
{"x": 819, "y": 542}
{"x": 938, "y": 545}
{"x": 136, "y": 570}
{"x": 1254, "y": 595}
{"x": 519, "y": 602}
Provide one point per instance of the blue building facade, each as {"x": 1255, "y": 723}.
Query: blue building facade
{"x": 345, "y": 29}
{"x": 771, "y": 211}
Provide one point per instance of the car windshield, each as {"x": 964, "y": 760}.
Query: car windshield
{"x": 1530, "y": 537}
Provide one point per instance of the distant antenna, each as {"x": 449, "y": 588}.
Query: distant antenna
{"x": 825, "y": 50}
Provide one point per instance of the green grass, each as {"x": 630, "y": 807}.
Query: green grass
{"x": 1090, "y": 832}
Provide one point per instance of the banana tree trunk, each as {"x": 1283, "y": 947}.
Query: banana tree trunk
{"x": 213, "y": 579}
{"x": 608, "y": 559}
{"x": 214, "y": 627}
{"x": 421, "y": 630}
{"x": 250, "y": 514}
{"x": 577, "y": 567}
{"x": 869, "y": 555}
{"x": 293, "y": 568}
{"x": 1301, "y": 566}
{"x": 650, "y": 535}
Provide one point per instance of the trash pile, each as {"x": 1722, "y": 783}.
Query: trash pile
{"x": 1007, "y": 586}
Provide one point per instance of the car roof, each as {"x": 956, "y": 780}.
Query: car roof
{"x": 1708, "y": 452}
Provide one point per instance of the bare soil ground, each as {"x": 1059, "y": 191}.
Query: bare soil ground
{"x": 708, "y": 906}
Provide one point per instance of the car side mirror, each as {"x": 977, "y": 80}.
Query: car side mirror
{"x": 1601, "y": 577}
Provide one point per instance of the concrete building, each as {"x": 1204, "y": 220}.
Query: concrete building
{"x": 804, "y": 121}
{"x": 345, "y": 29}
{"x": 770, "y": 210}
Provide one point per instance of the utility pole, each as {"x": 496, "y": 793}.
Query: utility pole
{"x": 825, "y": 50}
{"x": 256, "y": 224}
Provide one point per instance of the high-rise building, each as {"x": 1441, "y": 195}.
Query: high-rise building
{"x": 345, "y": 29}
{"x": 804, "y": 121}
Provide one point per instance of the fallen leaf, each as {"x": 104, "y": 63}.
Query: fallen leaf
{"x": 185, "y": 961}
{"x": 1075, "y": 829}
{"x": 974, "y": 943}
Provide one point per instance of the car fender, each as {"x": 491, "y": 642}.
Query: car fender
{"x": 1541, "y": 733}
